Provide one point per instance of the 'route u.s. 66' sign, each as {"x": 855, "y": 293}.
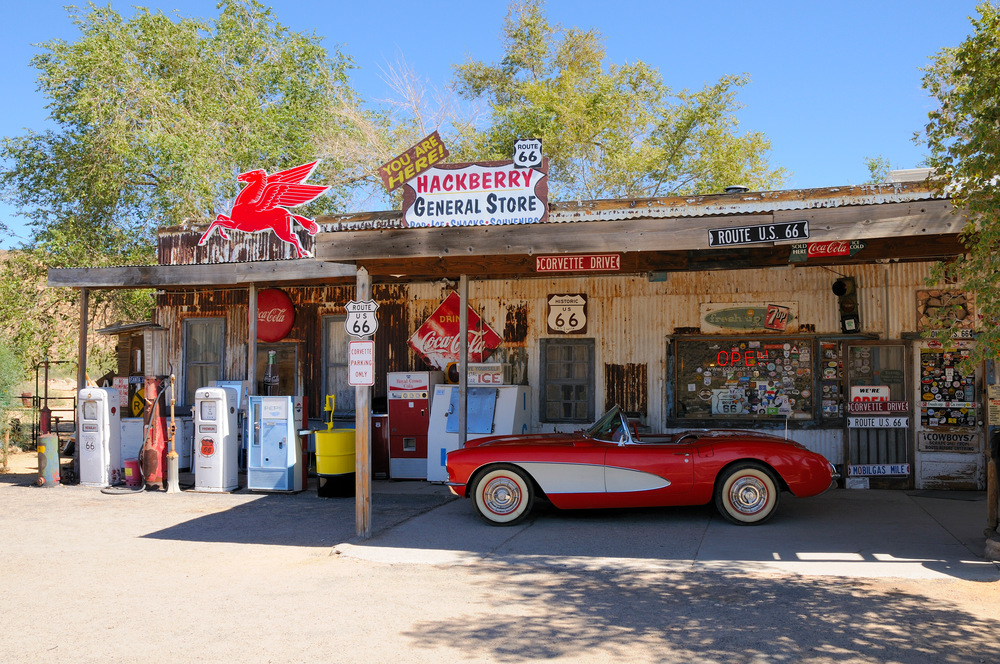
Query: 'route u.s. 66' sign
{"x": 361, "y": 320}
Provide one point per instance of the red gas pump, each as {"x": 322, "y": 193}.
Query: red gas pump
{"x": 154, "y": 450}
{"x": 409, "y": 400}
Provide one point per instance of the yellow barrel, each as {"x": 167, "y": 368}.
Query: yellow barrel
{"x": 334, "y": 451}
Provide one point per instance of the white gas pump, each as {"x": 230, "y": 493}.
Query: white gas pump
{"x": 216, "y": 448}
{"x": 275, "y": 454}
{"x": 99, "y": 436}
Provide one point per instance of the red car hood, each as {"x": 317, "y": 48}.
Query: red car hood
{"x": 547, "y": 439}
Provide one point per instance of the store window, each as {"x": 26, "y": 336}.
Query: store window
{"x": 286, "y": 362}
{"x": 762, "y": 378}
{"x": 204, "y": 342}
{"x": 567, "y": 369}
{"x": 335, "y": 378}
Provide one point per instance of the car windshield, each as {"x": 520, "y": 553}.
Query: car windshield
{"x": 610, "y": 427}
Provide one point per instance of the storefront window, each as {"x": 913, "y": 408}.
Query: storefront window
{"x": 744, "y": 377}
{"x": 285, "y": 358}
{"x": 204, "y": 340}
{"x": 567, "y": 369}
{"x": 335, "y": 379}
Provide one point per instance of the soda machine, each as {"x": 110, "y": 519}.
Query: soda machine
{"x": 216, "y": 449}
{"x": 274, "y": 462}
{"x": 490, "y": 411}
{"x": 409, "y": 405}
{"x": 99, "y": 436}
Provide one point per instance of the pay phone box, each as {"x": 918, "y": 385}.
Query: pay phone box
{"x": 99, "y": 437}
{"x": 216, "y": 444}
{"x": 274, "y": 461}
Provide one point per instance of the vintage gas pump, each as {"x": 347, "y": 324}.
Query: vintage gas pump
{"x": 98, "y": 435}
{"x": 275, "y": 454}
{"x": 216, "y": 449}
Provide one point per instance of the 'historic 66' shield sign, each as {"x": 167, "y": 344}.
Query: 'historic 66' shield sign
{"x": 361, "y": 320}
{"x": 567, "y": 314}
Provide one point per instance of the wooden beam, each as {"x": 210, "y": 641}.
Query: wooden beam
{"x": 302, "y": 270}
{"x": 890, "y": 220}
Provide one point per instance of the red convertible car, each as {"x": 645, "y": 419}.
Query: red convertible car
{"x": 609, "y": 465}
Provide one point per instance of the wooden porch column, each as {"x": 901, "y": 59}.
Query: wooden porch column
{"x": 252, "y": 342}
{"x": 463, "y": 359}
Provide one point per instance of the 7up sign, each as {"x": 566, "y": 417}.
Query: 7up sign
{"x": 361, "y": 320}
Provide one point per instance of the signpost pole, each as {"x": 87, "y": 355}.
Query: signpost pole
{"x": 463, "y": 358}
{"x": 362, "y": 427}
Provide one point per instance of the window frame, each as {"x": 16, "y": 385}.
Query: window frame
{"x": 589, "y": 382}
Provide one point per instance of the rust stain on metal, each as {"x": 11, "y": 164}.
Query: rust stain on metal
{"x": 515, "y": 329}
{"x": 625, "y": 385}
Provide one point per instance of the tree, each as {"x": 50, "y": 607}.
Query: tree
{"x": 963, "y": 135}
{"x": 154, "y": 118}
{"x": 609, "y": 132}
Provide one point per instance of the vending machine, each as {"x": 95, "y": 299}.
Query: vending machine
{"x": 409, "y": 405}
{"x": 274, "y": 461}
{"x": 490, "y": 411}
{"x": 216, "y": 451}
{"x": 99, "y": 436}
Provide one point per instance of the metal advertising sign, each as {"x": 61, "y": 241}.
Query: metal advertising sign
{"x": 993, "y": 405}
{"x": 883, "y": 422}
{"x": 361, "y": 320}
{"x": 567, "y": 314}
{"x": 806, "y": 250}
{"x": 260, "y": 207}
{"x": 878, "y": 469}
{"x": 948, "y": 441}
{"x": 784, "y": 232}
{"x": 479, "y": 194}
{"x": 422, "y": 156}
{"x": 275, "y": 315}
{"x": 438, "y": 341}
{"x": 749, "y": 317}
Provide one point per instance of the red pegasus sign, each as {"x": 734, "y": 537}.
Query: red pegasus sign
{"x": 261, "y": 205}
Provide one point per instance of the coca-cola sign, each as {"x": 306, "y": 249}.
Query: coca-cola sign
{"x": 806, "y": 250}
{"x": 438, "y": 341}
{"x": 275, "y": 315}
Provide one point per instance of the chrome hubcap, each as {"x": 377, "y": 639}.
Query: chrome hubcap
{"x": 502, "y": 495}
{"x": 748, "y": 495}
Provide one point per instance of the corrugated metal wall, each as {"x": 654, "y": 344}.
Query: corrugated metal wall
{"x": 629, "y": 317}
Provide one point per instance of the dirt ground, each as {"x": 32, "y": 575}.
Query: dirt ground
{"x": 215, "y": 589}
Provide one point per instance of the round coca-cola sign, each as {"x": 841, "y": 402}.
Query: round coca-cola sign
{"x": 275, "y": 315}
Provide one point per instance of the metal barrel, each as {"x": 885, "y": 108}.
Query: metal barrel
{"x": 48, "y": 459}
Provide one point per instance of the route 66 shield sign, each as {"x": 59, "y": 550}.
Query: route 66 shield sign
{"x": 567, "y": 314}
{"x": 528, "y": 153}
{"x": 361, "y": 320}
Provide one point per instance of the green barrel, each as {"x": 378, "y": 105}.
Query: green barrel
{"x": 48, "y": 459}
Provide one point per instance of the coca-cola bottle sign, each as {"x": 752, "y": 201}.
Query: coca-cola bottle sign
{"x": 275, "y": 315}
{"x": 438, "y": 341}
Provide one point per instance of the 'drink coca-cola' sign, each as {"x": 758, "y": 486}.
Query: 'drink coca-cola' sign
{"x": 438, "y": 340}
{"x": 806, "y": 250}
{"x": 275, "y": 315}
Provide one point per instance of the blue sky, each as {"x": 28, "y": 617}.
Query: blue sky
{"x": 831, "y": 82}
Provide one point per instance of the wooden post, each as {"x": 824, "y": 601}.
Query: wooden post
{"x": 81, "y": 370}
{"x": 463, "y": 359}
{"x": 252, "y": 342}
{"x": 362, "y": 435}
{"x": 992, "y": 429}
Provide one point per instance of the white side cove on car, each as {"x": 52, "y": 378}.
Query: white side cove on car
{"x": 590, "y": 478}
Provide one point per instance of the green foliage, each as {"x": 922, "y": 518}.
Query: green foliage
{"x": 609, "y": 132}
{"x": 878, "y": 169}
{"x": 964, "y": 143}
{"x": 154, "y": 118}
{"x": 11, "y": 373}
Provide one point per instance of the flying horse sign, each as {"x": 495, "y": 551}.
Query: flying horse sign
{"x": 261, "y": 205}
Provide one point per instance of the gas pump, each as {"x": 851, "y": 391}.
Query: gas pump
{"x": 99, "y": 436}
{"x": 216, "y": 450}
{"x": 275, "y": 455}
